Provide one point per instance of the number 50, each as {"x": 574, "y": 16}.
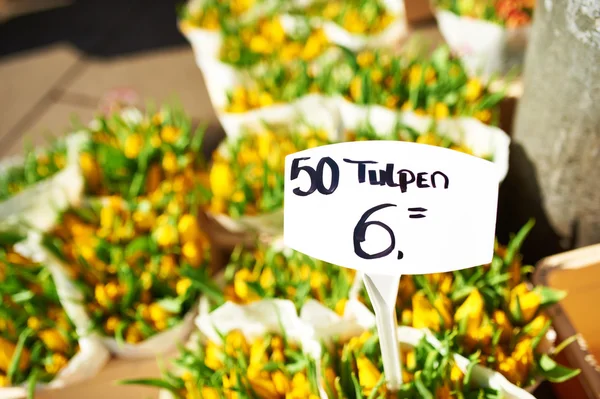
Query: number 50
{"x": 316, "y": 176}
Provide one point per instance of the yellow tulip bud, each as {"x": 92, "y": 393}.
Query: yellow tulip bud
{"x": 133, "y": 145}
{"x": 54, "y": 340}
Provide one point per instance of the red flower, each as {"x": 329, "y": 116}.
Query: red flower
{"x": 517, "y": 18}
{"x": 505, "y": 7}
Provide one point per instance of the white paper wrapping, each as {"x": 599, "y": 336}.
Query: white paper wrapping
{"x": 486, "y": 48}
{"x": 92, "y": 355}
{"x": 71, "y": 298}
{"x": 482, "y": 139}
{"x": 159, "y": 344}
{"x": 38, "y": 205}
{"x": 357, "y": 319}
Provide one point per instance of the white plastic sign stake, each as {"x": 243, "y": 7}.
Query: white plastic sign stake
{"x": 388, "y": 208}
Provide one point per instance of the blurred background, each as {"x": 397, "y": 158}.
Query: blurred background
{"x": 60, "y": 58}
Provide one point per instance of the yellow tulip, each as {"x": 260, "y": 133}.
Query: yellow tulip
{"x": 529, "y": 302}
{"x": 281, "y": 382}
{"x": 188, "y": 228}
{"x": 424, "y": 315}
{"x": 234, "y": 342}
{"x": 57, "y": 362}
{"x": 111, "y": 324}
{"x": 484, "y": 115}
{"x": 166, "y": 235}
{"x": 503, "y": 324}
{"x": 7, "y": 351}
{"x": 89, "y": 169}
{"x": 182, "y": 286}
{"x": 365, "y": 58}
{"x": 54, "y": 340}
{"x": 133, "y": 145}
{"x": 169, "y": 162}
{"x": 471, "y": 309}
{"x": 210, "y": 393}
{"x": 192, "y": 253}
{"x": 356, "y": 88}
{"x": 441, "y": 111}
{"x": 214, "y": 354}
{"x": 340, "y": 306}
{"x": 444, "y": 306}
{"x": 34, "y": 323}
{"x": 157, "y": 312}
{"x": 170, "y": 134}
{"x": 368, "y": 374}
{"x": 473, "y": 89}
{"x": 264, "y": 388}
{"x": 221, "y": 180}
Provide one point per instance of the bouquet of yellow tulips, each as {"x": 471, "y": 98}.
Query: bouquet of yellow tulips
{"x": 37, "y": 338}
{"x": 133, "y": 154}
{"x": 509, "y": 13}
{"x": 402, "y": 132}
{"x": 267, "y": 367}
{"x": 492, "y": 312}
{"x": 437, "y": 85}
{"x": 364, "y": 17}
{"x": 213, "y": 14}
{"x": 277, "y": 272}
{"x": 272, "y": 83}
{"x": 353, "y": 369}
{"x": 140, "y": 267}
{"x": 36, "y": 166}
{"x": 247, "y": 174}
{"x": 266, "y": 40}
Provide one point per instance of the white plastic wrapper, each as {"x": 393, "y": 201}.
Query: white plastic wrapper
{"x": 313, "y": 109}
{"x": 486, "y": 48}
{"x": 92, "y": 355}
{"x": 357, "y": 319}
{"x": 482, "y": 139}
{"x": 71, "y": 298}
{"x": 39, "y": 204}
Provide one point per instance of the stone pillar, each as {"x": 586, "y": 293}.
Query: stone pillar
{"x": 555, "y": 167}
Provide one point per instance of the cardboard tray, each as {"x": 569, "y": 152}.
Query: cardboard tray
{"x": 578, "y": 273}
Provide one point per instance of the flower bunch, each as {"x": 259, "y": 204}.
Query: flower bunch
{"x": 437, "y": 85}
{"x": 266, "y": 40}
{"x": 362, "y": 17}
{"x": 247, "y": 174}
{"x": 212, "y": 14}
{"x": 509, "y": 13}
{"x": 37, "y": 338}
{"x": 140, "y": 267}
{"x": 401, "y": 132}
{"x": 491, "y": 312}
{"x": 272, "y": 83}
{"x": 270, "y": 272}
{"x": 132, "y": 154}
{"x": 37, "y": 166}
{"x": 354, "y": 369}
{"x": 267, "y": 367}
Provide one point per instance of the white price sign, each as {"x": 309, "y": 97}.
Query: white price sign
{"x": 391, "y": 208}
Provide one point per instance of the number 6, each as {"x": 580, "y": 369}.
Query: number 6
{"x": 361, "y": 229}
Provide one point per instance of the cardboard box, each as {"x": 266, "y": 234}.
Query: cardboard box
{"x": 418, "y": 11}
{"x": 578, "y": 273}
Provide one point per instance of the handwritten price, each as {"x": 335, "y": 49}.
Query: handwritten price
{"x": 379, "y": 177}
